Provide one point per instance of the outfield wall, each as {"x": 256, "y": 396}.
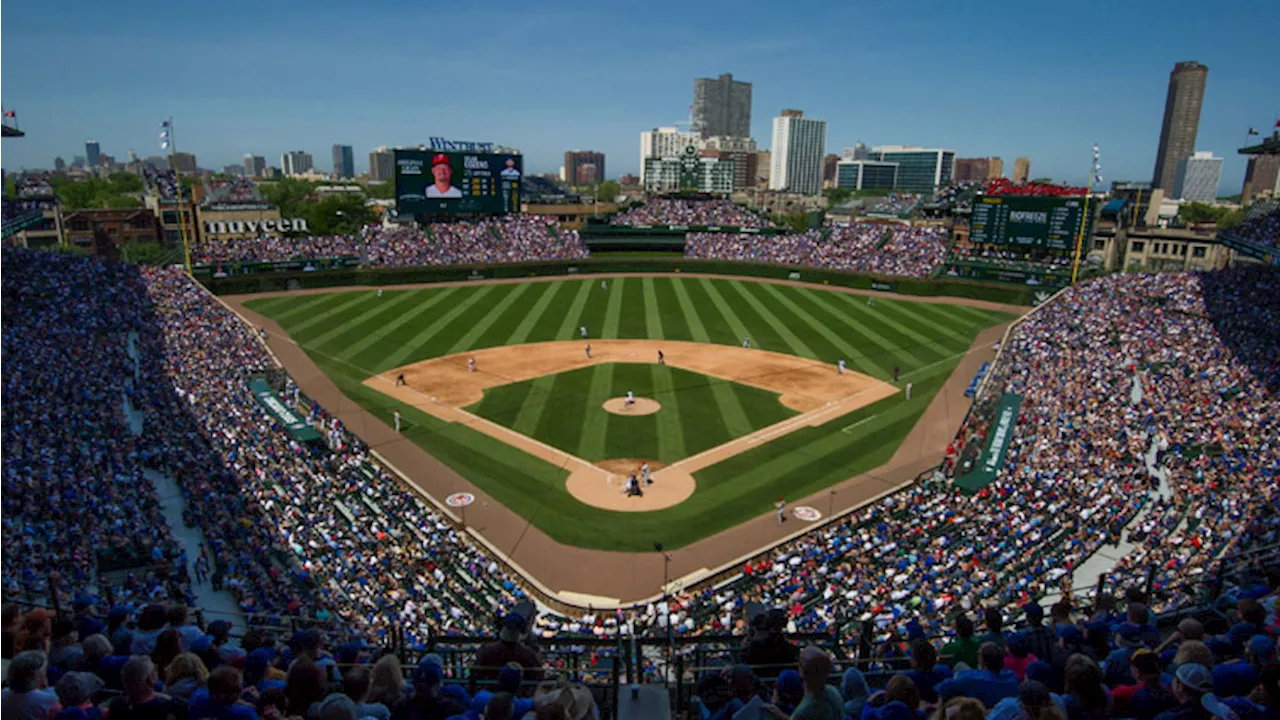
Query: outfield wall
{"x": 374, "y": 277}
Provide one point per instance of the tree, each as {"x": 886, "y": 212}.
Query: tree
{"x": 837, "y": 195}
{"x": 382, "y": 190}
{"x": 143, "y": 253}
{"x": 797, "y": 222}
{"x": 1196, "y": 212}
{"x": 608, "y": 190}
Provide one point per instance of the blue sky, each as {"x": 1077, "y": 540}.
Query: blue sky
{"x": 1032, "y": 78}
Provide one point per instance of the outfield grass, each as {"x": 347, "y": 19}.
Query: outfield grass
{"x": 354, "y": 335}
{"x": 564, "y": 411}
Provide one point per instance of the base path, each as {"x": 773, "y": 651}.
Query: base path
{"x": 582, "y": 576}
{"x": 443, "y": 385}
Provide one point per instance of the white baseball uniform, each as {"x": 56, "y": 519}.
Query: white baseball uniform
{"x": 841, "y": 367}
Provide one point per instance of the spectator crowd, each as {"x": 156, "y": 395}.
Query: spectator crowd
{"x": 513, "y": 238}
{"x": 675, "y": 211}
{"x": 861, "y": 247}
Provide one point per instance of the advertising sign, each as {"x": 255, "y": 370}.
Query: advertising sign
{"x": 445, "y": 182}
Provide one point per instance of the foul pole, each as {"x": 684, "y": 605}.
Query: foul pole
{"x": 177, "y": 173}
{"x": 1084, "y": 217}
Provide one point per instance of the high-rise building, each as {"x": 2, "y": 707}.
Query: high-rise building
{"x": 1021, "y": 170}
{"x": 184, "y": 162}
{"x": 382, "y": 164}
{"x": 664, "y": 142}
{"x": 829, "y": 170}
{"x": 1198, "y": 178}
{"x": 344, "y": 161}
{"x": 866, "y": 175}
{"x": 995, "y": 168}
{"x": 59, "y": 163}
{"x": 764, "y": 167}
{"x": 721, "y": 106}
{"x": 254, "y": 165}
{"x": 920, "y": 170}
{"x": 296, "y": 162}
{"x": 742, "y": 151}
{"x": 233, "y": 170}
{"x": 1181, "y": 121}
{"x": 971, "y": 169}
{"x": 799, "y": 144}
{"x": 92, "y": 153}
{"x": 1261, "y": 176}
{"x": 859, "y": 151}
{"x": 77, "y": 161}
{"x": 574, "y": 159}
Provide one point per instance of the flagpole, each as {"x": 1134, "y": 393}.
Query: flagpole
{"x": 1084, "y": 218}
{"x": 177, "y": 173}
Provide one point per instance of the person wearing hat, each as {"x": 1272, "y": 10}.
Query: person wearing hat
{"x": 1264, "y": 702}
{"x": 442, "y": 171}
{"x": 1238, "y": 677}
{"x": 509, "y": 647}
{"x": 86, "y": 616}
{"x": 427, "y": 701}
{"x": 789, "y": 691}
{"x": 510, "y": 679}
{"x": 1148, "y": 695}
{"x": 1193, "y": 690}
{"x": 1041, "y": 639}
{"x": 1116, "y": 666}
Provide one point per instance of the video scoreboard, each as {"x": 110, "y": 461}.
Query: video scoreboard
{"x": 1047, "y": 222}
{"x": 430, "y": 182}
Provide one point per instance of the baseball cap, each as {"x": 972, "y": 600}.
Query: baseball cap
{"x": 790, "y": 684}
{"x": 1034, "y": 612}
{"x": 439, "y": 158}
{"x": 512, "y": 628}
{"x": 202, "y": 644}
{"x": 1195, "y": 676}
{"x": 509, "y": 677}
{"x": 428, "y": 673}
{"x": 1072, "y": 635}
{"x": 1129, "y": 632}
{"x": 1034, "y": 693}
{"x": 1262, "y": 646}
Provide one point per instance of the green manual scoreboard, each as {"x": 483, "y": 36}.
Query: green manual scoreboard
{"x": 1041, "y": 222}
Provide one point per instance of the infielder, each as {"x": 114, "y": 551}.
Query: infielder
{"x": 631, "y": 399}
{"x": 781, "y": 507}
{"x": 400, "y": 380}
{"x": 644, "y": 474}
{"x": 582, "y": 330}
{"x": 471, "y": 365}
{"x": 840, "y": 367}
{"x": 746, "y": 342}
{"x": 662, "y": 359}
{"x": 397, "y": 419}
{"x": 588, "y": 351}
{"x": 909, "y": 390}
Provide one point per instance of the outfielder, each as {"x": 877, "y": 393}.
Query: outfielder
{"x": 397, "y": 419}
{"x": 909, "y": 385}
{"x": 840, "y": 367}
{"x": 379, "y": 292}
{"x": 604, "y": 284}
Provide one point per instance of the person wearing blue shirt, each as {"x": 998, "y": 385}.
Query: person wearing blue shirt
{"x": 925, "y": 672}
{"x": 989, "y": 684}
{"x": 220, "y": 700}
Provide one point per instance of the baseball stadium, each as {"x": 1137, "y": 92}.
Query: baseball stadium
{"x": 629, "y": 467}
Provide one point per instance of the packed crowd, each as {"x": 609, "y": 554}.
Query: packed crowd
{"x": 17, "y": 208}
{"x": 272, "y": 249}
{"x": 861, "y": 247}
{"x": 674, "y": 211}
{"x": 896, "y": 204}
{"x": 164, "y": 183}
{"x": 235, "y": 189}
{"x": 1261, "y": 226}
{"x": 999, "y": 256}
{"x": 514, "y": 238}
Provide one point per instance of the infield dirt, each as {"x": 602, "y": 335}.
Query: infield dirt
{"x": 443, "y": 386}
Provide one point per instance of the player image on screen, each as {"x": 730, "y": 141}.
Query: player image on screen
{"x": 443, "y": 174}
{"x": 510, "y": 172}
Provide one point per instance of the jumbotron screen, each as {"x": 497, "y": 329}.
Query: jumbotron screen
{"x": 1047, "y": 222}
{"x": 434, "y": 183}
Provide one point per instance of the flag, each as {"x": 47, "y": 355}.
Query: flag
{"x": 1253, "y": 131}
{"x": 10, "y": 113}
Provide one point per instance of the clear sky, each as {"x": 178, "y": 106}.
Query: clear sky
{"x": 1032, "y": 78}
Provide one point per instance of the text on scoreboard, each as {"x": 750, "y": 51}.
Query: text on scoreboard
{"x": 1050, "y": 222}
{"x": 432, "y": 182}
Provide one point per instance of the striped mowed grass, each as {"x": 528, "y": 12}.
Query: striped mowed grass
{"x": 354, "y": 335}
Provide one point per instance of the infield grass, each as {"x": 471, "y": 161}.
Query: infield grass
{"x": 354, "y": 335}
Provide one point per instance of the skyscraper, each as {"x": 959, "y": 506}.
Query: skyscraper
{"x": 382, "y": 164}
{"x": 799, "y": 144}
{"x": 60, "y": 164}
{"x": 92, "y": 153}
{"x": 296, "y": 162}
{"x": 920, "y": 170}
{"x": 184, "y": 162}
{"x": 995, "y": 168}
{"x": 1261, "y": 176}
{"x": 254, "y": 165}
{"x": 1021, "y": 170}
{"x": 1181, "y": 121}
{"x": 344, "y": 161}
{"x": 1198, "y": 177}
{"x": 576, "y": 159}
{"x": 721, "y": 106}
{"x": 972, "y": 169}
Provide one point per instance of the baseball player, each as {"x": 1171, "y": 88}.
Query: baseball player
{"x": 400, "y": 380}
{"x": 781, "y": 507}
{"x": 871, "y": 301}
{"x": 397, "y": 419}
{"x": 895, "y": 373}
{"x": 604, "y": 284}
{"x": 588, "y": 351}
{"x": 662, "y": 359}
{"x": 746, "y": 342}
{"x": 631, "y": 399}
{"x": 644, "y": 474}
{"x": 471, "y": 365}
{"x": 909, "y": 385}
{"x": 840, "y": 366}
{"x": 379, "y": 292}
{"x": 582, "y": 330}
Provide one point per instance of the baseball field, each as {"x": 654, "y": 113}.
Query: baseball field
{"x": 496, "y": 381}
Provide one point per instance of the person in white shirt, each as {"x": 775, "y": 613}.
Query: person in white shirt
{"x": 442, "y": 171}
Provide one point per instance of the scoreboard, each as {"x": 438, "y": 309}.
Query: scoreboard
{"x": 1042, "y": 222}
{"x": 430, "y": 182}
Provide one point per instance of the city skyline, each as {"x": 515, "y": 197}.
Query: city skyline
{"x": 1038, "y": 106}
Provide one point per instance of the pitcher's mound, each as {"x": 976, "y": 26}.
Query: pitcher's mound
{"x": 642, "y": 406}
